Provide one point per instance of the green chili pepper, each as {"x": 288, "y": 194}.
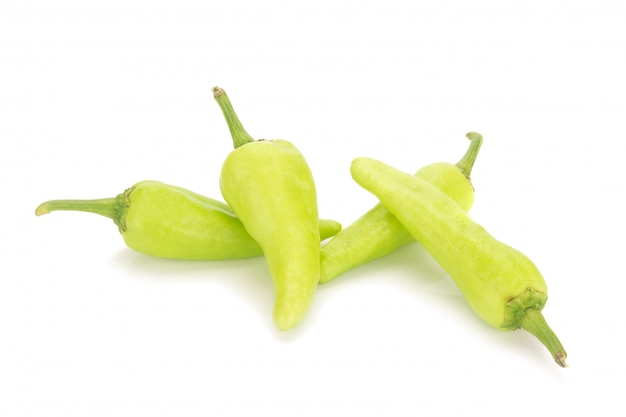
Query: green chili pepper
{"x": 378, "y": 233}
{"x": 269, "y": 185}
{"x": 166, "y": 221}
{"x": 501, "y": 284}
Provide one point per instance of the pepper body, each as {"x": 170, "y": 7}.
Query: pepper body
{"x": 502, "y": 285}
{"x": 378, "y": 233}
{"x": 167, "y": 221}
{"x": 270, "y": 187}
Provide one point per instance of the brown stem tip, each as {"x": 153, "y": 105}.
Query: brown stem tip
{"x": 217, "y": 91}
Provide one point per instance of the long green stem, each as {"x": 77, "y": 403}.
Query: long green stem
{"x": 113, "y": 208}
{"x": 467, "y": 162}
{"x": 534, "y": 322}
{"x": 237, "y": 131}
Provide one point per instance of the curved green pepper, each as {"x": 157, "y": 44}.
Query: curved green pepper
{"x": 378, "y": 233}
{"x": 501, "y": 284}
{"x": 166, "y": 221}
{"x": 270, "y": 187}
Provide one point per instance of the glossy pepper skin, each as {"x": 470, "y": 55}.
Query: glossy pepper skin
{"x": 167, "y": 221}
{"x": 270, "y": 187}
{"x": 378, "y": 233}
{"x": 501, "y": 284}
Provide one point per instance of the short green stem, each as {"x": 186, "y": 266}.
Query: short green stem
{"x": 113, "y": 208}
{"x": 534, "y": 322}
{"x": 467, "y": 162}
{"x": 238, "y": 133}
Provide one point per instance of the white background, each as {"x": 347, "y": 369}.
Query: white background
{"x": 95, "y": 96}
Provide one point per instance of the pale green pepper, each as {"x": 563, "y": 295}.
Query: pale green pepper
{"x": 501, "y": 284}
{"x": 270, "y": 187}
{"x": 166, "y": 221}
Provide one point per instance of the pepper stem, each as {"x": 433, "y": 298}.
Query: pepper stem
{"x": 467, "y": 162}
{"x": 237, "y": 131}
{"x": 113, "y": 208}
{"x": 534, "y": 322}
